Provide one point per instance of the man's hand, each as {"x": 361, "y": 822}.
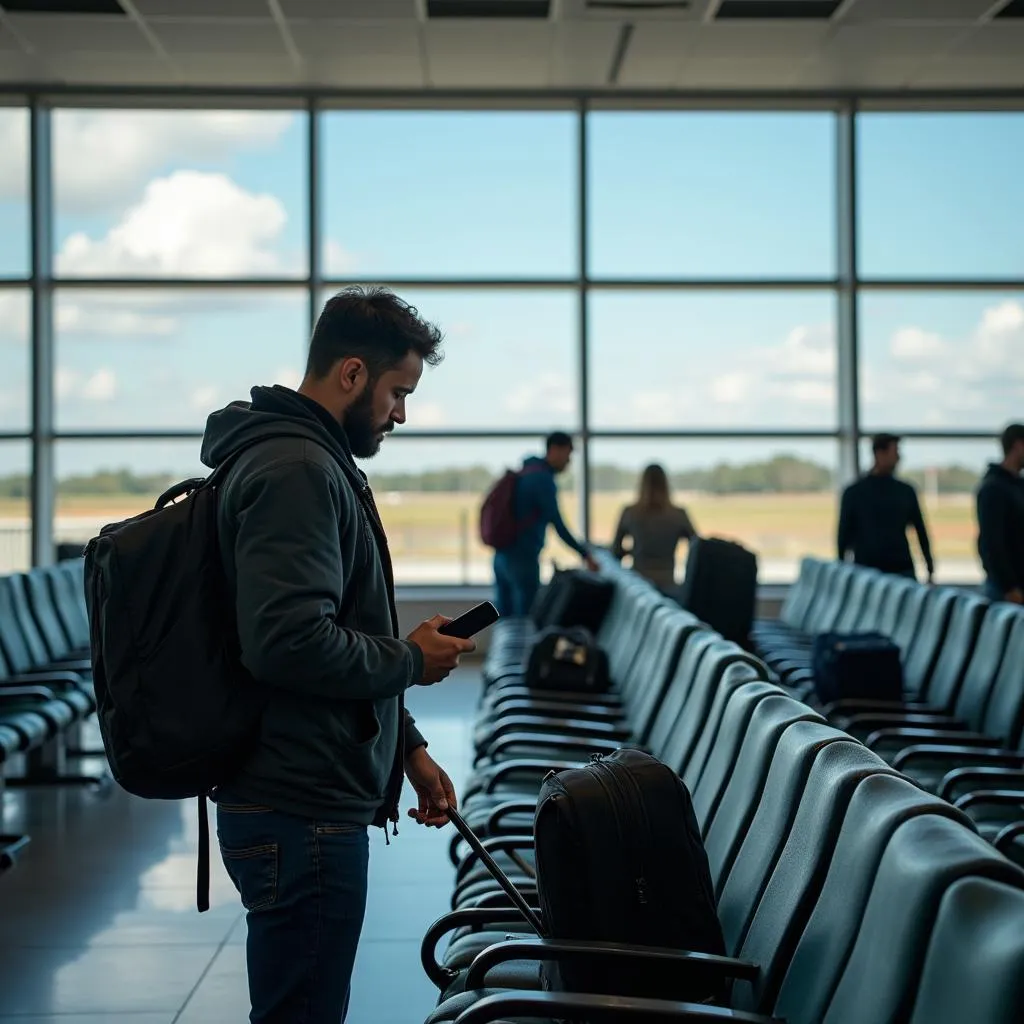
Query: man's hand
{"x": 591, "y": 563}
{"x": 440, "y": 653}
{"x": 433, "y": 787}
{"x": 1015, "y": 596}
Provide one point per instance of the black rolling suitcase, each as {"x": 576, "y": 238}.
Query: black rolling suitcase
{"x": 574, "y": 597}
{"x": 856, "y": 665}
{"x": 619, "y": 859}
{"x": 720, "y": 586}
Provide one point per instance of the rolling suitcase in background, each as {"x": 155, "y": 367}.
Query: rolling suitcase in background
{"x": 619, "y": 859}
{"x": 574, "y": 597}
{"x": 856, "y": 665}
{"x": 720, "y": 587}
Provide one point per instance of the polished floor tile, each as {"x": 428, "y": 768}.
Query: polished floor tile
{"x": 98, "y": 921}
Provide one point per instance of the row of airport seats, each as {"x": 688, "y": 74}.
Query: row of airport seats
{"x": 959, "y": 731}
{"x": 45, "y": 682}
{"x": 847, "y": 892}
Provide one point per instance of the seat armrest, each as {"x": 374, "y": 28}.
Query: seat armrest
{"x": 957, "y": 756}
{"x": 992, "y": 798}
{"x": 870, "y": 721}
{"x": 64, "y": 679}
{"x": 585, "y": 746}
{"x": 494, "y": 825}
{"x": 527, "y": 764}
{"x": 853, "y": 705}
{"x": 594, "y": 1009}
{"x": 553, "y": 709}
{"x": 906, "y": 736}
{"x": 495, "y": 844}
{"x": 474, "y": 918}
{"x": 979, "y": 777}
{"x": 11, "y": 693}
{"x": 604, "y": 954}
{"x": 568, "y": 727}
{"x": 1007, "y": 837}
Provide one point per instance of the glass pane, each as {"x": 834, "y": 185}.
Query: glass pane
{"x": 15, "y": 507}
{"x": 936, "y": 195}
{"x": 941, "y": 361}
{"x": 180, "y": 193}
{"x": 429, "y": 495}
{"x": 686, "y": 359}
{"x": 100, "y": 482}
{"x": 711, "y": 194}
{"x": 14, "y": 201}
{"x": 778, "y": 498}
{"x": 15, "y": 371}
{"x": 946, "y": 474}
{"x": 166, "y": 359}
{"x": 510, "y": 360}
{"x": 459, "y": 194}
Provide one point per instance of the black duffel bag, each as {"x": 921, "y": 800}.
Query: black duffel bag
{"x": 567, "y": 659}
{"x": 573, "y": 597}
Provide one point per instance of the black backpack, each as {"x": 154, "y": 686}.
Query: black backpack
{"x": 567, "y": 659}
{"x": 177, "y": 711}
{"x": 574, "y": 597}
{"x": 620, "y": 859}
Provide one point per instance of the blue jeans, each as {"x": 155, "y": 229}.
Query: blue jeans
{"x": 516, "y": 581}
{"x": 303, "y": 885}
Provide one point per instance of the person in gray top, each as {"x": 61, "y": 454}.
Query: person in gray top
{"x": 655, "y": 527}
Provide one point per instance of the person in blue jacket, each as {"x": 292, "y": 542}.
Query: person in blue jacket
{"x": 517, "y": 568}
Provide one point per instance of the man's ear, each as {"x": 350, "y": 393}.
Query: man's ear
{"x": 352, "y": 375}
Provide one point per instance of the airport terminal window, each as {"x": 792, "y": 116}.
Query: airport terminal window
{"x": 456, "y": 194}
{"x": 946, "y": 474}
{"x": 696, "y": 360}
{"x": 429, "y": 493}
{"x": 100, "y": 482}
{"x": 938, "y": 195}
{"x": 941, "y": 360}
{"x": 15, "y": 525}
{"x": 15, "y": 370}
{"x": 711, "y": 194}
{"x": 776, "y": 497}
{"x": 164, "y": 359}
{"x": 14, "y": 193}
{"x": 511, "y": 359}
{"x": 180, "y": 193}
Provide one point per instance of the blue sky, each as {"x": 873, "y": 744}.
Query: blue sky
{"x": 478, "y": 194}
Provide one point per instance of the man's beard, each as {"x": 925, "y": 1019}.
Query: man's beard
{"x": 364, "y": 436}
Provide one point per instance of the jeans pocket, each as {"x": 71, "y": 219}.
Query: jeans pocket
{"x": 253, "y": 869}
{"x": 338, "y": 830}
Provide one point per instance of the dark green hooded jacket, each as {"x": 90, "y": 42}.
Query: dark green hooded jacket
{"x": 308, "y": 563}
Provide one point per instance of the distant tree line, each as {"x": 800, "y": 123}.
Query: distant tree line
{"x": 786, "y": 474}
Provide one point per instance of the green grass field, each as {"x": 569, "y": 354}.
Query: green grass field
{"x": 436, "y": 533}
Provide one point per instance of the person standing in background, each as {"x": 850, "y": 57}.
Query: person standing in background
{"x": 655, "y": 527}
{"x": 876, "y": 512}
{"x": 517, "y": 568}
{"x": 1000, "y": 505}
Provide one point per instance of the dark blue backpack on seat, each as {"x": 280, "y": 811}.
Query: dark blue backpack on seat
{"x": 856, "y": 665}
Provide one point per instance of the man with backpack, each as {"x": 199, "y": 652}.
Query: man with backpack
{"x": 309, "y": 574}
{"x": 514, "y": 521}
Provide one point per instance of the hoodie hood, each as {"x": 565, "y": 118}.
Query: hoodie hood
{"x": 535, "y": 461}
{"x": 274, "y": 412}
{"x": 997, "y": 471}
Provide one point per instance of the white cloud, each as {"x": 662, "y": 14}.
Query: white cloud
{"x": 731, "y": 388}
{"x": 547, "y": 393}
{"x": 99, "y": 386}
{"x": 338, "y": 261}
{"x": 429, "y": 414}
{"x": 190, "y": 224}
{"x": 913, "y": 345}
{"x": 287, "y": 376}
{"x": 205, "y": 397}
{"x": 653, "y": 408}
{"x": 102, "y": 156}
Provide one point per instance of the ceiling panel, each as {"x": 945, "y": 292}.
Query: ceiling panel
{"x": 68, "y": 34}
{"x": 655, "y": 53}
{"x": 327, "y": 39}
{"x": 729, "y": 40}
{"x": 349, "y": 9}
{"x": 999, "y": 40}
{"x": 9, "y": 41}
{"x": 203, "y": 8}
{"x": 576, "y": 10}
{"x": 736, "y": 74}
{"x": 918, "y": 10}
{"x": 188, "y": 38}
{"x": 582, "y": 54}
{"x": 20, "y": 67}
{"x": 460, "y": 54}
{"x": 959, "y": 73}
{"x": 870, "y": 42}
{"x": 354, "y": 71}
{"x": 241, "y": 71}
{"x": 99, "y": 69}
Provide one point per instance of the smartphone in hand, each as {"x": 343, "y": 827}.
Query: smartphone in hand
{"x": 470, "y": 623}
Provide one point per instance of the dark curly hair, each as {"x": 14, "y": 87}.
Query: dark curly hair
{"x": 375, "y": 325}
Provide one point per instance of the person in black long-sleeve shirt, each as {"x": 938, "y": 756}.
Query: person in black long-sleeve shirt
{"x": 877, "y": 510}
{"x": 1000, "y": 503}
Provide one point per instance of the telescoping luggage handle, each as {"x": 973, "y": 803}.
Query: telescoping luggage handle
{"x": 492, "y": 865}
